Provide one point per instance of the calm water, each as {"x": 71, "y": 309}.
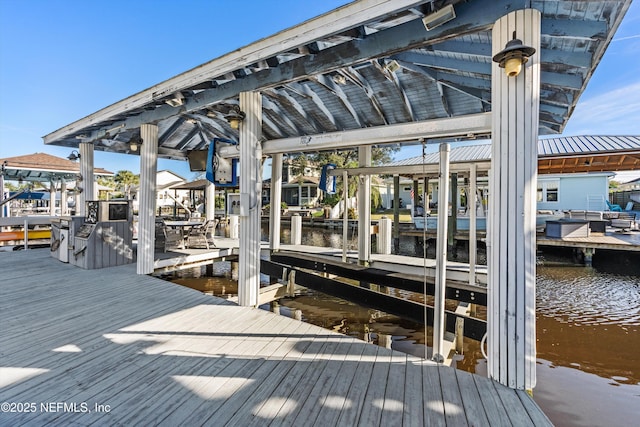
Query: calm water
{"x": 588, "y": 324}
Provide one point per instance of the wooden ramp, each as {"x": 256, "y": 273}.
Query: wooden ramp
{"x": 107, "y": 347}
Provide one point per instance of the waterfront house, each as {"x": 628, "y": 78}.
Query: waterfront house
{"x": 574, "y": 172}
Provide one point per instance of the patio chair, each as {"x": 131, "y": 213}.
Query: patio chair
{"x": 167, "y": 238}
{"x": 613, "y": 207}
{"x": 202, "y": 236}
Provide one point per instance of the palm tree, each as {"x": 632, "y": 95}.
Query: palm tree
{"x": 125, "y": 181}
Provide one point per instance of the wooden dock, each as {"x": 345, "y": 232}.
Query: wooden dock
{"x": 457, "y": 271}
{"x": 617, "y": 241}
{"x": 112, "y": 347}
{"x": 180, "y": 259}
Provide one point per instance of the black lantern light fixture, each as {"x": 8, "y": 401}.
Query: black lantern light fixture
{"x": 513, "y": 56}
{"x": 74, "y": 156}
{"x": 234, "y": 117}
{"x": 134, "y": 144}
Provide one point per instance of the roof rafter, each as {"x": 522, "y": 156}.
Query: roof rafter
{"x": 471, "y": 17}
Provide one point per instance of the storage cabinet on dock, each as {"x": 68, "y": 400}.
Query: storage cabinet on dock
{"x": 105, "y": 238}
{"x": 567, "y": 228}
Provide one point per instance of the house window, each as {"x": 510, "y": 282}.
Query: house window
{"x": 548, "y": 191}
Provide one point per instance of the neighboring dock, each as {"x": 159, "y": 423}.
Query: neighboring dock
{"x": 138, "y": 350}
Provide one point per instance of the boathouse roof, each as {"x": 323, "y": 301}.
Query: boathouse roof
{"x": 570, "y": 154}
{"x": 367, "y": 64}
{"x": 42, "y": 167}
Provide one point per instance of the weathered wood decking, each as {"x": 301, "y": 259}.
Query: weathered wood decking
{"x": 151, "y": 352}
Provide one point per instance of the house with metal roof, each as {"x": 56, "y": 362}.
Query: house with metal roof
{"x": 573, "y": 172}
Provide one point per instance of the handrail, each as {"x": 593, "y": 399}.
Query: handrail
{"x": 25, "y": 221}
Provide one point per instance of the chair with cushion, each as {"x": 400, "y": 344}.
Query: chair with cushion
{"x": 202, "y": 236}
{"x": 167, "y": 238}
{"x": 613, "y": 207}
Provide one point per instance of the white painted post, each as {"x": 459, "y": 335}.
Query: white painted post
{"x": 210, "y": 198}
{"x": 441, "y": 256}
{"x": 296, "y": 229}
{"x": 52, "y": 198}
{"x": 385, "y": 225}
{"x": 26, "y": 232}
{"x": 2, "y": 207}
{"x": 473, "y": 236}
{"x": 86, "y": 171}
{"x": 250, "y": 198}
{"x": 234, "y": 232}
{"x": 345, "y": 215}
{"x": 364, "y": 207}
{"x": 511, "y": 244}
{"x": 275, "y": 214}
{"x": 63, "y": 198}
{"x": 147, "y": 202}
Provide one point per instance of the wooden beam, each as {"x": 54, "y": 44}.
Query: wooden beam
{"x": 471, "y": 17}
{"x": 475, "y": 124}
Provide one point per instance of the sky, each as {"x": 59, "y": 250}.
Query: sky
{"x": 61, "y": 60}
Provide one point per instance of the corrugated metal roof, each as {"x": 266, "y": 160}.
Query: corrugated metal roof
{"x": 551, "y": 147}
{"x": 586, "y": 144}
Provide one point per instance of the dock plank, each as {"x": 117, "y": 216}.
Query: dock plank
{"x": 413, "y": 414}
{"x": 434, "y": 404}
{"x": 355, "y": 396}
{"x": 161, "y": 354}
{"x": 471, "y": 401}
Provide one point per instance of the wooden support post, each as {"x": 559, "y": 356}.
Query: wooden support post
{"x": 86, "y": 172}
{"x": 26, "y": 232}
{"x": 291, "y": 283}
{"x": 587, "y": 255}
{"x": 296, "y": 229}
{"x": 235, "y": 269}
{"x": 52, "y": 198}
{"x": 384, "y": 340}
{"x": 473, "y": 234}
{"x": 460, "y": 335}
{"x": 234, "y": 226}
{"x": 147, "y": 202}
{"x": 275, "y": 213}
{"x": 275, "y": 307}
{"x": 441, "y": 257}
{"x": 345, "y": 215}
{"x": 511, "y": 244}
{"x": 250, "y": 133}
{"x": 396, "y": 214}
{"x": 210, "y": 201}
{"x": 364, "y": 207}
{"x": 453, "y": 219}
{"x": 4, "y": 208}
{"x": 384, "y": 236}
{"x": 64, "y": 209}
